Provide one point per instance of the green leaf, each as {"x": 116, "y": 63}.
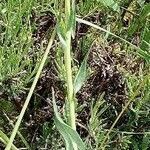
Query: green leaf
{"x": 140, "y": 22}
{"x": 61, "y": 32}
{"x": 145, "y": 142}
{"x": 6, "y": 105}
{"x": 74, "y": 19}
{"x": 62, "y": 40}
{"x": 141, "y": 2}
{"x": 111, "y": 4}
{"x": 145, "y": 12}
{"x": 60, "y": 127}
{"x": 71, "y": 23}
{"x": 70, "y": 136}
{"x": 144, "y": 54}
{"x": 145, "y": 39}
{"x": 81, "y": 75}
{"x": 5, "y": 140}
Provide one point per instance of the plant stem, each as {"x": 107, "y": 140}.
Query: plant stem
{"x": 67, "y": 55}
{"x": 19, "y": 134}
{"x": 70, "y": 95}
{"x": 8, "y": 147}
{"x": 4, "y": 139}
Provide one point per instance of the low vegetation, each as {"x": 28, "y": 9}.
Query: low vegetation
{"x": 75, "y": 74}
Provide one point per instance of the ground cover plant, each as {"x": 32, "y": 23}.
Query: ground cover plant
{"x": 75, "y": 74}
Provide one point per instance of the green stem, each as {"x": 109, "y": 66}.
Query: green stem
{"x": 69, "y": 82}
{"x": 8, "y": 147}
{"x": 67, "y": 55}
{"x": 19, "y": 134}
{"x": 4, "y": 139}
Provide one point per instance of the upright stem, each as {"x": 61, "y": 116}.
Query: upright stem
{"x": 16, "y": 127}
{"x": 70, "y": 83}
{"x": 67, "y": 55}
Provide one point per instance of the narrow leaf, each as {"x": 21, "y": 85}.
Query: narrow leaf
{"x": 62, "y": 40}
{"x": 5, "y": 140}
{"x": 70, "y": 136}
{"x": 74, "y": 19}
{"x": 60, "y": 127}
{"x": 61, "y": 31}
{"x": 111, "y": 4}
{"x": 139, "y": 50}
{"x": 81, "y": 76}
{"x": 16, "y": 127}
{"x": 145, "y": 55}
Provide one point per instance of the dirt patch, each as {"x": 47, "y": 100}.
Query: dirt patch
{"x": 106, "y": 78}
{"x": 42, "y": 23}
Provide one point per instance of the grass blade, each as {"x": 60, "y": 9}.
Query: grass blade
{"x": 81, "y": 75}
{"x": 19, "y": 134}
{"x": 8, "y": 147}
{"x": 123, "y": 110}
{"x": 5, "y": 140}
{"x": 139, "y": 50}
{"x": 111, "y": 4}
{"x": 70, "y": 136}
